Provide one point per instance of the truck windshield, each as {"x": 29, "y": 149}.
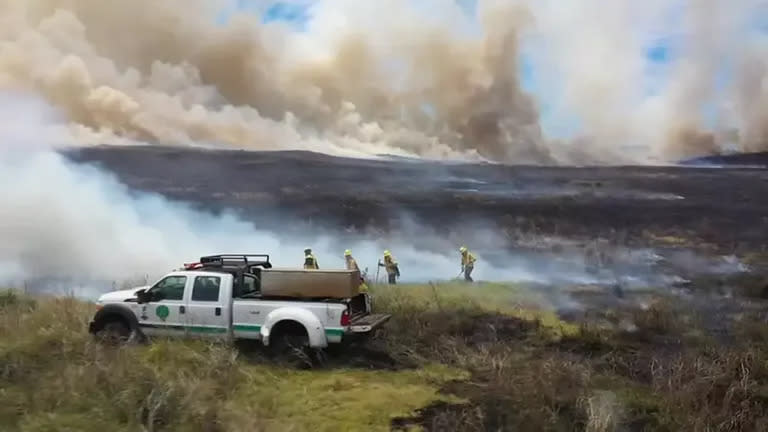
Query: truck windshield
{"x": 170, "y": 288}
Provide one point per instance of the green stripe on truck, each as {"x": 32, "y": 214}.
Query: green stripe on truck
{"x": 197, "y": 329}
{"x": 236, "y": 327}
{"x": 194, "y": 329}
{"x": 257, "y": 328}
{"x": 163, "y": 326}
{"x": 247, "y": 328}
{"x": 334, "y": 332}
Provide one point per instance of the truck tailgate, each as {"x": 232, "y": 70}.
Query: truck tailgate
{"x": 367, "y": 323}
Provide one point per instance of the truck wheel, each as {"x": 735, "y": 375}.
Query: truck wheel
{"x": 115, "y": 332}
{"x": 294, "y": 349}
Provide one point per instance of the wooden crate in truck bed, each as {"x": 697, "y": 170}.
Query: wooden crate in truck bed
{"x": 302, "y": 283}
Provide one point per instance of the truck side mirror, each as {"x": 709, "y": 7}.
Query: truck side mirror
{"x": 143, "y": 296}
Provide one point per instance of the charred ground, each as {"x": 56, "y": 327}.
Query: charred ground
{"x": 723, "y": 208}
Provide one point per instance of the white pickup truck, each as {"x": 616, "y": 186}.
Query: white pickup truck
{"x": 232, "y": 297}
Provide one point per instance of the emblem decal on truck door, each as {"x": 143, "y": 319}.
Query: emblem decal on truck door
{"x": 162, "y": 312}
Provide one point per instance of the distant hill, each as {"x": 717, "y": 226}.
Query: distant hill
{"x": 759, "y": 159}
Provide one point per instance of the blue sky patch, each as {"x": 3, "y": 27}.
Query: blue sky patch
{"x": 295, "y": 13}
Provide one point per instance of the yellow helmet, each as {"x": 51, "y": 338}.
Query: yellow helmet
{"x": 463, "y": 249}
{"x": 347, "y": 252}
{"x": 386, "y": 253}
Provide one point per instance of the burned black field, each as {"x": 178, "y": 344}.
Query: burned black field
{"x": 725, "y": 208}
{"x": 673, "y": 223}
{"x": 687, "y": 351}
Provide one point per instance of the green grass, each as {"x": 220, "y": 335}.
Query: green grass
{"x": 55, "y": 378}
{"x": 339, "y": 400}
{"x": 464, "y": 358}
{"x": 518, "y": 300}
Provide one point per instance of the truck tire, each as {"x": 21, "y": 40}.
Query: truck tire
{"x": 291, "y": 345}
{"x": 115, "y": 324}
{"x": 117, "y": 332}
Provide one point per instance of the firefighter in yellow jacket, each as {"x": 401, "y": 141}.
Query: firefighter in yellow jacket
{"x": 352, "y": 265}
{"x": 350, "y": 261}
{"x": 310, "y": 262}
{"x": 393, "y": 270}
{"x": 467, "y": 263}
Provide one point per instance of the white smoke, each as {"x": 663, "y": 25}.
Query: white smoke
{"x": 405, "y": 77}
{"x": 69, "y": 227}
{"x": 78, "y": 226}
{"x": 62, "y": 221}
{"x": 595, "y": 55}
{"x": 166, "y": 72}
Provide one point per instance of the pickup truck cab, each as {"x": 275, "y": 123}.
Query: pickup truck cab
{"x": 221, "y": 298}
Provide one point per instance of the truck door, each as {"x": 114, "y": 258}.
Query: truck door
{"x": 165, "y": 315}
{"x": 209, "y": 307}
{"x": 248, "y": 313}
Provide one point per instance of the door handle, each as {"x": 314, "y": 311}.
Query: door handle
{"x": 218, "y": 311}
{"x": 182, "y": 309}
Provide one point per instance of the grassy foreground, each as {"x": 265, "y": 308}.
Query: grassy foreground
{"x": 450, "y": 359}
{"x": 55, "y": 378}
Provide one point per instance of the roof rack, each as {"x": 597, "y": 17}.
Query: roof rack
{"x": 236, "y": 261}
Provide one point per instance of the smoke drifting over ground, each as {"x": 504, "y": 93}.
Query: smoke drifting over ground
{"x": 68, "y": 226}
{"x": 402, "y": 77}
{"x": 63, "y": 221}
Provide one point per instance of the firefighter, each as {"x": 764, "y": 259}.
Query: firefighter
{"x": 393, "y": 270}
{"x": 467, "y": 263}
{"x": 352, "y": 265}
{"x": 310, "y": 262}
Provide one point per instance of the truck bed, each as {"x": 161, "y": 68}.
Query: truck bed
{"x": 298, "y": 283}
{"x": 366, "y": 323}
